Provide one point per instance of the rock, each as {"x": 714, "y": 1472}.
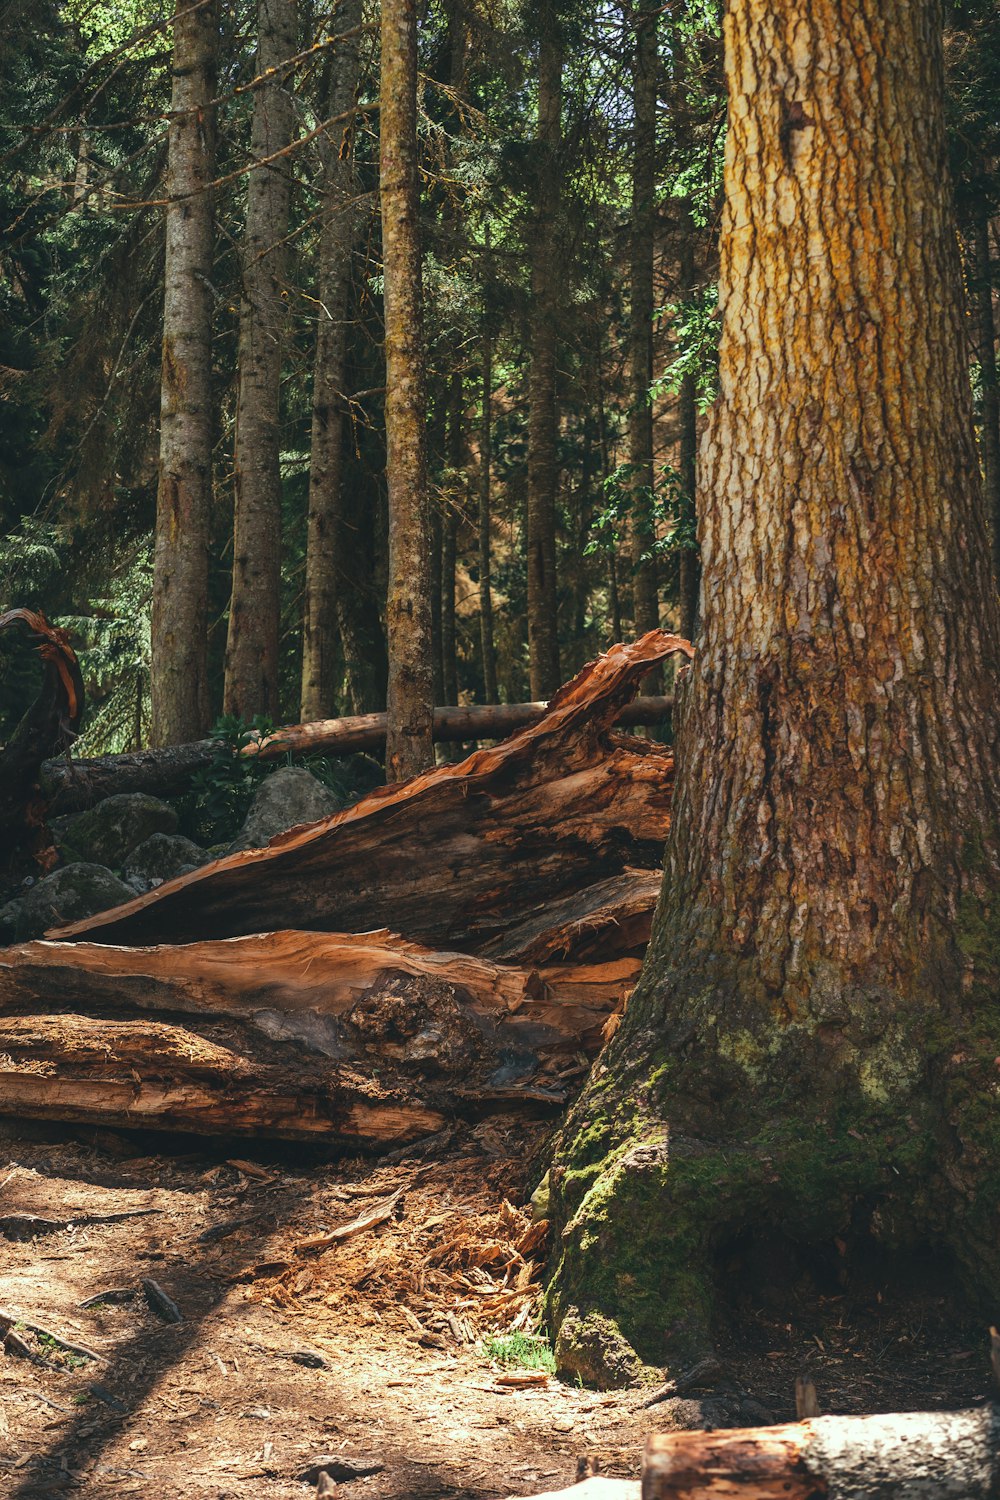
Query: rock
{"x": 161, "y": 857}
{"x": 288, "y": 797}
{"x": 66, "y": 895}
{"x": 339, "y": 1467}
{"x": 108, "y": 833}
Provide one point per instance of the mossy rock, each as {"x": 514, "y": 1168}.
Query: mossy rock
{"x": 67, "y": 895}
{"x": 109, "y": 832}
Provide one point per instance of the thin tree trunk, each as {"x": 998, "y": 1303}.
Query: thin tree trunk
{"x": 689, "y": 566}
{"x": 449, "y": 537}
{"x": 614, "y": 602}
{"x": 255, "y": 608}
{"x": 640, "y": 420}
{"x": 485, "y": 523}
{"x": 990, "y": 431}
{"x": 543, "y": 419}
{"x": 328, "y": 565}
{"x": 409, "y": 746}
{"x": 811, "y": 1042}
{"x": 179, "y": 668}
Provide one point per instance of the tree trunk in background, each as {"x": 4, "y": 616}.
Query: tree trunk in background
{"x": 642, "y": 527}
{"x": 255, "y": 607}
{"x": 449, "y": 536}
{"x": 689, "y": 561}
{"x": 485, "y": 520}
{"x": 811, "y": 1044}
{"x": 409, "y": 746}
{"x": 543, "y": 418}
{"x": 329, "y": 566}
{"x": 179, "y": 669}
{"x": 614, "y": 601}
{"x": 990, "y": 443}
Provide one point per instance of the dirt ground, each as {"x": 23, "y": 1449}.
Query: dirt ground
{"x": 371, "y": 1345}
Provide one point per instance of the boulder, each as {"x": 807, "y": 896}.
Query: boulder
{"x": 66, "y": 895}
{"x": 107, "y": 833}
{"x": 291, "y": 795}
{"x": 161, "y": 857}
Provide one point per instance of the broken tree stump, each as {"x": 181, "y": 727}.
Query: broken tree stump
{"x": 453, "y": 856}
{"x": 49, "y": 726}
{"x": 908, "y": 1456}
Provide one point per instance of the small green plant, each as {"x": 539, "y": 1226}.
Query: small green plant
{"x": 524, "y": 1351}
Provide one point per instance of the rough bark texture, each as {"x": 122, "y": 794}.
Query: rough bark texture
{"x": 179, "y": 686}
{"x": 813, "y": 1041}
{"x": 255, "y": 607}
{"x": 327, "y": 574}
{"x": 952, "y": 1455}
{"x": 645, "y": 76}
{"x": 990, "y": 439}
{"x": 689, "y": 567}
{"x": 543, "y": 418}
{"x": 410, "y": 701}
{"x": 552, "y": 810}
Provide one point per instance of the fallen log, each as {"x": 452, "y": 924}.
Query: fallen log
{"x": 210, "y": 1081}
{"x": 452, "y": 857}
{"x": 608, "y": 920}
{"x": 49, "y": 725}
{"x": 948, "y": 1455}
{"x": 71, "y": 784}
{"x": 357, "y": 996}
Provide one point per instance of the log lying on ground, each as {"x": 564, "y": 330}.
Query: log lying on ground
{"x": 359, "y": 996}
{"x": 72, "y": 784}
{"x": 607, "y": 920}
{"x": 50, "y": 725}
{"x": 913, "y": 1456}
{"x": 452, "y": 857}
{"x": 213, "y": 1081}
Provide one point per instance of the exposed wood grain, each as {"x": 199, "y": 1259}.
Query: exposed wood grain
{"x": 550, "y": 810}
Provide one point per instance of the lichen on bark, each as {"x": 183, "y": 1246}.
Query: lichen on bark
{"x": 812, "y": 1042}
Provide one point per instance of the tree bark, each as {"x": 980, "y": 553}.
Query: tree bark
{"x": 951, "y": 1454}
{"x": 543, "y": 418}
{"x": 410, "y": 702}
{"x": 809, "y": 1045}
{"x": 642, "y": 523}
{"x": 179, "y": 667}
{"x": 485, "y": 524}
{"x": 251, "y": 685}
{"x": 328, "y": 572}
{"x": 449, "y": 538}
{"x": 990, "y": 431}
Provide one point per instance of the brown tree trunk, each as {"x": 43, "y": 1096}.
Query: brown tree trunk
{"x": 179, "y": 666}
{"x": 255, "y": 607}
{"x": 410, "y": 703}
{"x": 614, "y": 600}
{"x": 485, "y": 524}
{"x": 543, "y": 418}
{"x": 809, "y": 1045}
{"x": 449, "y": 538}
{"x": 642, "y": 525}
{"x": 990, "y": 432}
{"x": 689, "y": 568}
{"x": 328, "y": 572}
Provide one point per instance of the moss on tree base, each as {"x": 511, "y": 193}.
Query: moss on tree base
{"x": 642, "y": 1208}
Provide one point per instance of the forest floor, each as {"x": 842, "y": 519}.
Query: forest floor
{"x": 371, "y": 1347}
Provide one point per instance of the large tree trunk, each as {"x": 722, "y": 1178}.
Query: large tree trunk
{"x": 689, "y": 565}
{"x": 543, "y": 417}
{"x": 811, "y": 1044}
{"x": 179, "y": 669}
{"x": 642, "y": 526}
{"x": 328, "y": 571}
{"x": 410, "y": 704}
{"x": 255, "y": 607}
